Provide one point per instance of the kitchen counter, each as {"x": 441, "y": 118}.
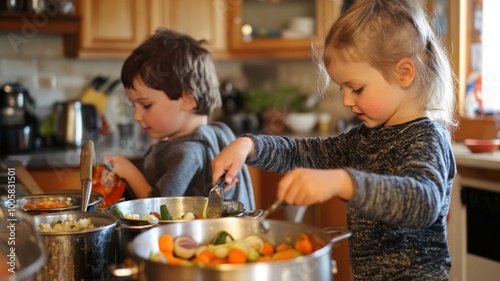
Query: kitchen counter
{"x": 465, "y": 158}
{"x": 70, "y": 157}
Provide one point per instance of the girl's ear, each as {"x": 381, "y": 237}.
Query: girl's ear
{"x": 405, "y": 71}
{"x": 188, "y": 102}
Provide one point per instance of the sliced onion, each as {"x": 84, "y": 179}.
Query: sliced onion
{"x": 184, "y": 247}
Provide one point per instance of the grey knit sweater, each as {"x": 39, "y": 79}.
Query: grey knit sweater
{"x": 402, "y": 176}
{"x": 182, "y": 166}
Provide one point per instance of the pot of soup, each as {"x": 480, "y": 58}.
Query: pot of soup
{"x": 290, "y": 258}
{"x": 137, "y": 216}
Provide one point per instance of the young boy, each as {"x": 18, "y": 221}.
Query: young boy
{"x": 172, "y": 83}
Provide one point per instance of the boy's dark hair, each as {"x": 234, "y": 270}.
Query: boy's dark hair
{"x": 174, "y": 63}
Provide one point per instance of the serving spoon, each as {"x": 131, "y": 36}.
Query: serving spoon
{"x": 264, "y": 224}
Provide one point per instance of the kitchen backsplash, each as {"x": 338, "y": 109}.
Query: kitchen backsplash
{"x": 39, "y": 64}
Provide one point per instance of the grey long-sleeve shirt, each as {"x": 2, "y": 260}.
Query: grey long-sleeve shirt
{"x": 402, "y": 176}
{"x": 182, "y": 166}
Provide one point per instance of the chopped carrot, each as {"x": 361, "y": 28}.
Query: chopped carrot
{"x": 282, "y": 247}
{"x": 286, "y": 254}
{"x": 264, "y": 259}
{"x": 267, "y": 249}
{"x": 205, "y": 257}
{"x": 303, "y": 244}
{"x": 217, "y": 261}
{"x": 236, "y": 256}
{"x": 166, "y": 243}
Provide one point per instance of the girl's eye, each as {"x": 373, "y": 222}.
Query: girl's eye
{"x": 357, "y": 91}
{"x": 146, "y": 106}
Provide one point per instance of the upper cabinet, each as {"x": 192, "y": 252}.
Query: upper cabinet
{"x": 278, "y": 29}
{"x": 112, "y": 28}
{"x": 200, "y": 19}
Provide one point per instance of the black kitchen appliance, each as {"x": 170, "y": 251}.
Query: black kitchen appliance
{"x": 234, "y": 115}
{"x": 18, "y": 124}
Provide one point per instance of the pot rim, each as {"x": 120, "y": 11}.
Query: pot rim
{"x": 113, "y": 222}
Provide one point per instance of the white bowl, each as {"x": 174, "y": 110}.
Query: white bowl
{"x": 301, "y": 122}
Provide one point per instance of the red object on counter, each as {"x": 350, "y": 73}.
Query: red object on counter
{"x": 108, "y": 184}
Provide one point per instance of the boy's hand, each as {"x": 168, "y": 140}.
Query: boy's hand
{"x": 231, "y": 159}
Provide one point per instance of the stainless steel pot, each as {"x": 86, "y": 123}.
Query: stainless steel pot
{"x": 78, "y": 255}
{"x": 315, "y": 266}
{"x": 128, "y": 229}
{"x": 76, "y": 123}
{"x": 21, "y": 249}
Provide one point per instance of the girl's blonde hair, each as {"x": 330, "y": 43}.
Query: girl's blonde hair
{"x": 382, "y": 32}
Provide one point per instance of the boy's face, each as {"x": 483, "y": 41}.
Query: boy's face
{"x": 370, "y": 96}
{"x": 159, "y": 116}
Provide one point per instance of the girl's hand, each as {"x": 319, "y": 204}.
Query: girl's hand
{"x": 312, "y": 186}
{"x": 119, "y": 165}
{"x": 231, "y": 159}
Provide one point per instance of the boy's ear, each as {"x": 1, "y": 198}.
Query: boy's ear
{"x": 405, "y": 71}
{"x": 188, "y": 102}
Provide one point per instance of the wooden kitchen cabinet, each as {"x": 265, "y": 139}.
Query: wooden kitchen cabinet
{"x": 112, "y": 28}
{"x": 200, "y": 19}
{"x": 248, "y": 13}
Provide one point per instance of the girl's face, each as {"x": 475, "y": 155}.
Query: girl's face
{"x": 373, "y": 99}
{"x": 159, "y": 116}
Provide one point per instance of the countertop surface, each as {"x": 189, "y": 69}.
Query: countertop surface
{"x": 486, "y": 160}
{"x": 70, "y": 157}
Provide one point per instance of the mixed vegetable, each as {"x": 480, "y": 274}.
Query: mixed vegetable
{"x": 164, "y": 214}
{"x": 224, "y": 249}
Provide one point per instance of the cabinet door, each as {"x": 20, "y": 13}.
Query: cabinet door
{"x": 278, "y": 29}
{"x": 200, "y": 19}
{"x": 112, "y": 28}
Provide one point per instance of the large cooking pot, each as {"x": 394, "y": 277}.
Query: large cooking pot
{"x": 74, "y": 201}
{"x": 315, "y": 266}
{"x": 78, "y": 255}
{"x": 128, "y": 229}
{"x": 21, "y": 249}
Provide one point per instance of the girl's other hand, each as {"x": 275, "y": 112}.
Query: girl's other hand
{"x": 231, "y": 159}
{"x": 311, "y": 186}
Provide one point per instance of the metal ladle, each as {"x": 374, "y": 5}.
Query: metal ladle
{"x": 87, "y": 162}
{"x": 264, "y": 224}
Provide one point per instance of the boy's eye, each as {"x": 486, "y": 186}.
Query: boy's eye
{"x": 146, "y": 106}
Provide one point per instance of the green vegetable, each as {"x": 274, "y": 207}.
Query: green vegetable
{"x": 164, "y": 213}
{"x": 221, "y": 238}
{"x": 117, "y": 213}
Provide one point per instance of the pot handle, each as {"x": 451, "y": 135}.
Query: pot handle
{"x": 339, "y": 232}
{"x": 128, "y": 269}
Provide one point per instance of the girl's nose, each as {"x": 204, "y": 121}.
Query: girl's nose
{"x": 348, "y": 99}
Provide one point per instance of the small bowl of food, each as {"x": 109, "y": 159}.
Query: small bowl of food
{"x": 51, "y": 203}
{"x": 479, "y": 146}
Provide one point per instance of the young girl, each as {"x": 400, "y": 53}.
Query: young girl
{"x": 172, "y": 83}
{"x": 395, "y": 170}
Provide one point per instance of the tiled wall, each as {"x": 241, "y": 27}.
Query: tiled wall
{"x": 38, "y": 63}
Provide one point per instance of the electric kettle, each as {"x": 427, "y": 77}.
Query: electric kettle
{"x": 76, "y": 123}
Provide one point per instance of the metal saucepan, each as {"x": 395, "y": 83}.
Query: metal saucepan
{"x": 22, "y": 251}
{"x": 315, "y": 266}
{"x": 78, "y": 255}
{"x": 74, "y": 202}
{"x": 128, "y": 229}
